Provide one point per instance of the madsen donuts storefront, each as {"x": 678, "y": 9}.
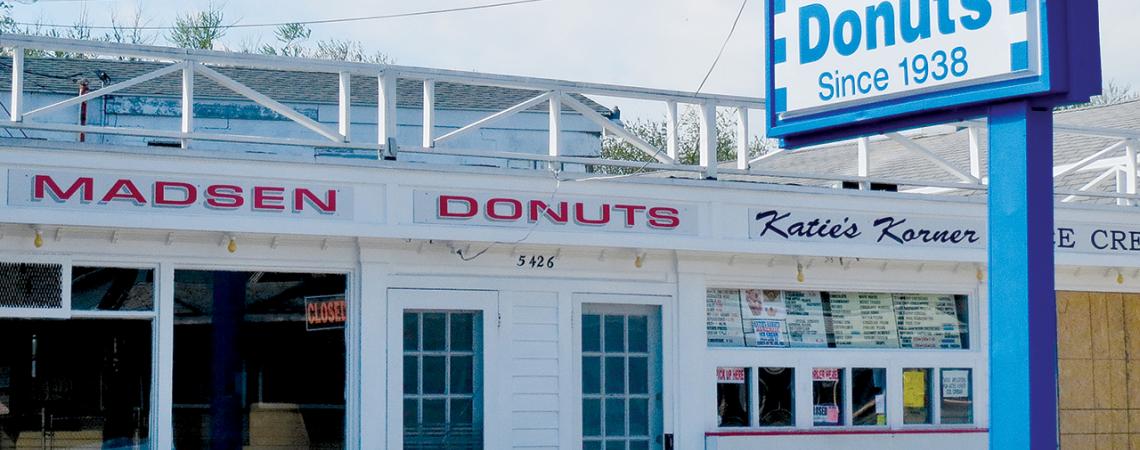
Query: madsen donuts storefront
{"x": 183, "y": 303}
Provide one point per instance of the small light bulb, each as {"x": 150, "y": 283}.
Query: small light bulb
{"x": 980, "y": 275}
{"x": 1119, "y": 278}
{"x": 800, "y": 273}
{"x": 232, "y": 247}
{"x": 639, "y": 261}
{"x": 39, "y": 240}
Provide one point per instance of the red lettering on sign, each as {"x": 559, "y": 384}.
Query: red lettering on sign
{"x": 116, "y": 192}
{"x": 664, "y": 217}
{"x": 189, "y": 193}
{"x": 538, "y": 208}
{"x": 445, "y": 211}
{"x": 493, "y": 212}
{"x": 84, "y": 185}
{"x": 302, "y": 196}
{"x": 630, "y": 213}
{"x": 580, "y": 215}
{"x": 224, "y": 196}
{"x": 268, "y": 198}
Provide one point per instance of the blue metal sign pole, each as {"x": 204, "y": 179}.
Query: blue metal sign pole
{"x": 1023, "y": 309}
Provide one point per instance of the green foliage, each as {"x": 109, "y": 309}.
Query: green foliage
{"x": 290, "y": 41}
{"x": 290, "y": 37}
{"x": 200, "y": 30}
{"x": 688, "y": 141}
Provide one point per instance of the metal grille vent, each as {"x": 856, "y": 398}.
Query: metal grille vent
{"x": 29, "y": 285}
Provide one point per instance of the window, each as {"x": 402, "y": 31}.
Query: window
{"x": 827, "y": 396}
{"x": 31, "y": 286}
{"x": 812, "y": 319}
{"x": 112, "y": 289}
{"x": 868, "y": 397}
{"x": 732, "y": 396}
{"x": 249, "y": 369}
{"x": 850, "y": 343}
{"x": 443, "y": 384}
{"x": 957, "y": 396}
{"x": 917, "y": 407}
{"x": 620, "y": 378}
{"x": 75, "y": 383}
{"x": 776, "y": 393}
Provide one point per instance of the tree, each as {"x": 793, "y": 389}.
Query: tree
{"x": 201, "y": 30}
{"x": 291, "y": 37}
{"x": 1112, "y": 93}
{"x": 290, "y": 41}
{"x": 688, "y": 141}
{"x": 131, "y": 30}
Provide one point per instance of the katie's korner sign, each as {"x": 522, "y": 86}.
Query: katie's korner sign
{"x": 833, "y": 54}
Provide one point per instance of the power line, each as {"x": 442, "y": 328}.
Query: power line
{"x": 306, "y": 22}
{"x": 722, "y": 46}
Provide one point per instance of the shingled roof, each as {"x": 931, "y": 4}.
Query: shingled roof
{"x": 61, "y": 75}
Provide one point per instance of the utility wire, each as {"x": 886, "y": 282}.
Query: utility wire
{"x": 722, "y": 46}
{"x": 306, "y": 22}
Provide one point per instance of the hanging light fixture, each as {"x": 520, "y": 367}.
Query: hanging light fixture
{"x": 232, "y": 246}
{"x": 799, "y": 272}
{"x": 39, "y": 239}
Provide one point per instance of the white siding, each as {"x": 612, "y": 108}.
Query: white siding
{"x": 534, "y": 368}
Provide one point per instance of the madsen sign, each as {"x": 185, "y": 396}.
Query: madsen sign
{"x": 175, "y": 195}
{"x": 837, "y": 62}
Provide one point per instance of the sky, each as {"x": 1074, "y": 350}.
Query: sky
{"x": 667, "y": 44}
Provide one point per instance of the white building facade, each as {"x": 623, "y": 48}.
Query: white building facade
{"x": 188, "y": 298}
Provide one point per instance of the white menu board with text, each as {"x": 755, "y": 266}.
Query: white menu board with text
{"x": 723, "y": 321}
{"x": 863, "y": 320}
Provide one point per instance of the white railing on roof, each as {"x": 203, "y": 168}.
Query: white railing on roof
{"x": 556, "y": 94}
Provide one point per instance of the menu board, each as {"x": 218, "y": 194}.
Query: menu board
{"x": 927, "y": 321}
{"x": 723, "y": 323}
{"x": 764, "y": 315}
{"x": 807, "y": 326}
{"x": 811, "y": 319}
{"x": 863, "y": 320}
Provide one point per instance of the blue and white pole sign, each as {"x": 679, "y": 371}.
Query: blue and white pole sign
{"x": 844, "y": 65}
{"x": 845, "y": 68}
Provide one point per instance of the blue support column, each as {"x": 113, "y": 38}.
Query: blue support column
{"x": 1023, "y": 309}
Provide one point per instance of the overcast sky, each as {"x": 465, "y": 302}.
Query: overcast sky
{"x": 652, "y": 43}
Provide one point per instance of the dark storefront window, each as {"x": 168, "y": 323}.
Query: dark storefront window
{"x": 732, "y": 396}
{"x": 259, "y": 360}
{"x": 777, "y": 396}
{"x": 869, "y": 392}
{"x": 827, "y": 396}
{"x": 112, "y": 289}
{"x": 74, "y": 384}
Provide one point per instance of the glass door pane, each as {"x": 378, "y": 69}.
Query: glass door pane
{"x": 620, "y": 378}
{"x": 443, "y": 385}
